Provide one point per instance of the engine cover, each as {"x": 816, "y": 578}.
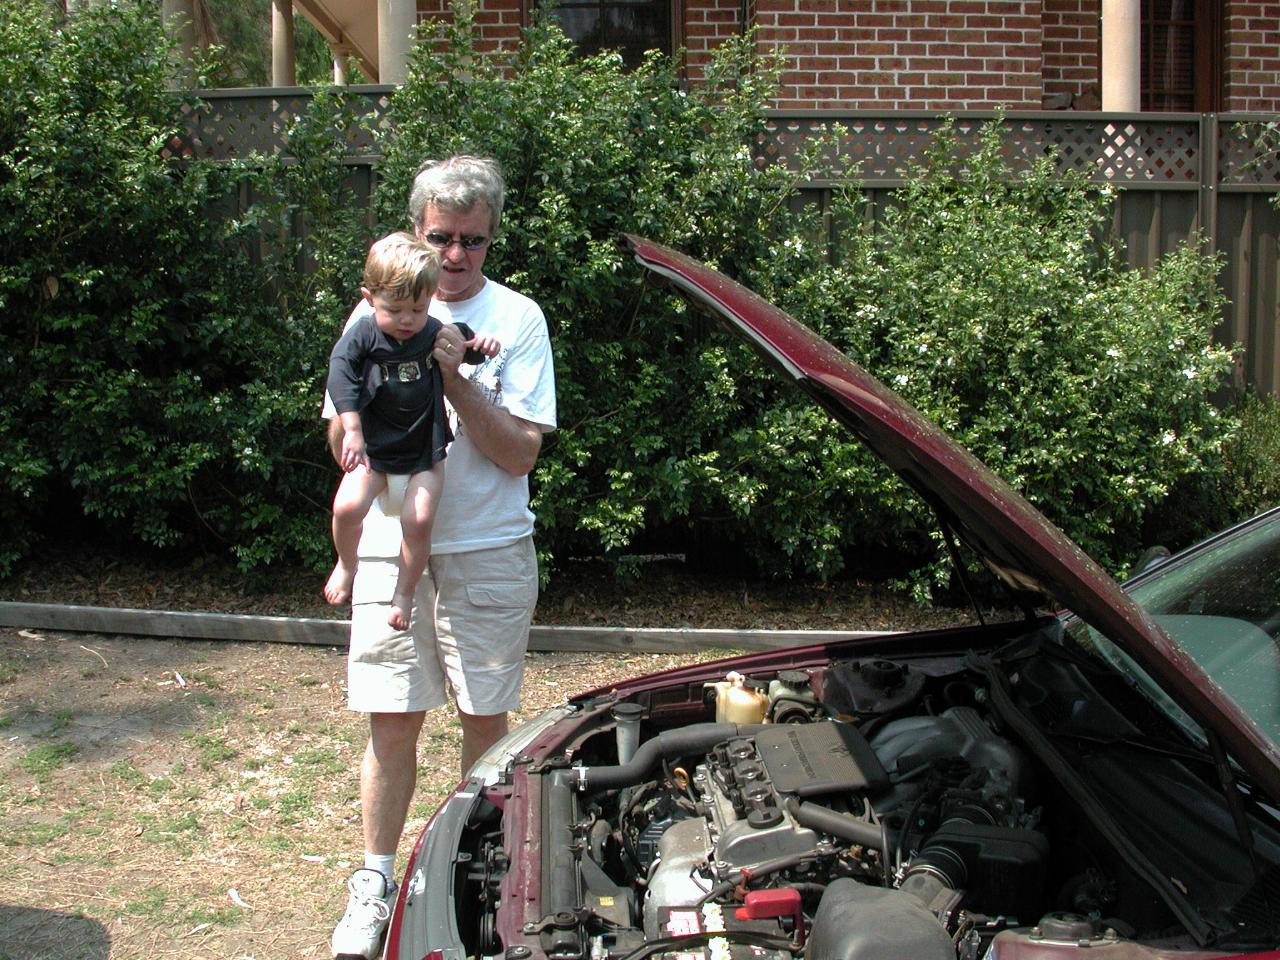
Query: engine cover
{"x": 741, "y": 790}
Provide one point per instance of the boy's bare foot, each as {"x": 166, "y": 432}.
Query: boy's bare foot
{"x": 338, "y": 588}
{"x": 401, "y": 606}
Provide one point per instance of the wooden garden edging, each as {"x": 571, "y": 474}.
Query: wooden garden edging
{"x": 334, "y": 633}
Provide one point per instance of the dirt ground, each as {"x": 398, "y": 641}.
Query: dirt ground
{"x": 197, "y": 799}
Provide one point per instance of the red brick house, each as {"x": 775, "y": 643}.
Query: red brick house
{"x": 1195, "y": 56}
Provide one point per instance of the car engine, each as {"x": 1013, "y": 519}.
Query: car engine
{"x": 863, "y": 809}
{"x": 810, "y": 803}
{"x": 861, "y": 840}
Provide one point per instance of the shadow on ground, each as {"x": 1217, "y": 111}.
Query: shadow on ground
{"x": 29, "y": 933}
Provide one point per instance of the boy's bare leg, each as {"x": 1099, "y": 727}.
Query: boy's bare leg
{"x": 416, "y": 518}
{"x": 356, "y": 493}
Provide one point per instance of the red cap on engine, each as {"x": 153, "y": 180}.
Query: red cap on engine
{"x": 783, "y": 902}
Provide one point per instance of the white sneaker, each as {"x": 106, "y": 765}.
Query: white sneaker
{"x": 359, "y": 932}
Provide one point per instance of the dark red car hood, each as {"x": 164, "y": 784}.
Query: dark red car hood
{"x": 1028, "y": 552}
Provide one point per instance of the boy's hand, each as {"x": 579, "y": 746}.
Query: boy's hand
{"x": 353, "y": 453}
{"x": 486, "y": 345}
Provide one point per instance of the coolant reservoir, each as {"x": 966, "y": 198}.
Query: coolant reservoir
{"x": 736, "y": 702}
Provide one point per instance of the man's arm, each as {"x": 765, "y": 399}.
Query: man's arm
{"x": 333, "y": 434}
{"x": 511, "y": 442}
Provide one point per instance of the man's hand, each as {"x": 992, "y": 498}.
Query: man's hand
{"x": 507, "y": 440}
{"x": 448, "y": 350}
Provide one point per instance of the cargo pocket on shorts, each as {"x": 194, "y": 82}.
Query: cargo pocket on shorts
{"x": 504, "y": 594}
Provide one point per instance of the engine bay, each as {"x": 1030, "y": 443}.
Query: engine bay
{"x": 861, "y": 809}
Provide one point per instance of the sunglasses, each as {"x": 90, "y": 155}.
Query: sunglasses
{"x": 442, "y": 241}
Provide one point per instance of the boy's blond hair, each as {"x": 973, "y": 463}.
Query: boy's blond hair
{"x": 401, "y": 267}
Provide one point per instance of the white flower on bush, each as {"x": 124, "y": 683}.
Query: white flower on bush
{"x": 1168, "y": 437}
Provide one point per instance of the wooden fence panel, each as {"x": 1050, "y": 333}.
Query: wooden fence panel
{"x": 1248, "y": 228}
{"x": 1179, "y": 177}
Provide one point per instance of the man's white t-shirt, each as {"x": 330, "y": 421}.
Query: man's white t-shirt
{"x": 482, "y": 505}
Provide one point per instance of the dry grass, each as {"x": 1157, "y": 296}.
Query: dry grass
{"x": 187, "y": 799}
{"x": 212, "y": 816}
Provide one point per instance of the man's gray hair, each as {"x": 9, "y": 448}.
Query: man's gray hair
{"x": 457, "y": 184}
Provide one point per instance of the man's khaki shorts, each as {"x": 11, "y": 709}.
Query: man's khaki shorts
{"x": 469, "y": 635}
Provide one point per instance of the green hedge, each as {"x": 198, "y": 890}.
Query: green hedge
{"x": 165, "y": 360}
{"x": 159, "y": 382}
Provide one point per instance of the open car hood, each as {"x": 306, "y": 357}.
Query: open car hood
{"x": 1030, "y": 554}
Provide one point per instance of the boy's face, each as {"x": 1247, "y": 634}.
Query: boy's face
{"x": 398, "y": 317}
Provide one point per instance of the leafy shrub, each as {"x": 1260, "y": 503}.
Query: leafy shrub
{"x": 1252, "y": 456}
{"x": 986, "y": 298}
{"x": 164, "y": 357}
{"x": 160, "y": 362}
{"x": 992, "y": 305}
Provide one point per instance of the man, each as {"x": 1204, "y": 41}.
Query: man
{"x": 471, "y": 619}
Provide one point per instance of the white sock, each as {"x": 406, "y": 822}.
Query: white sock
{"x": 385, "y": 864}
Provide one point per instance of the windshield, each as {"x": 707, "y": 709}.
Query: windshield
{"x": 1221, "y": 603}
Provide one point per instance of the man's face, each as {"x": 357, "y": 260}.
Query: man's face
{"x": 399, "y": 317}
{"x": 463, "y": 242}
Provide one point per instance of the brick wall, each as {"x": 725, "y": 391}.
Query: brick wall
{"x": 1251, "y": 61}
{"x": 923, "y": 54}
{"x": 936, "y": 54}
{"x": 708, "y": 23}
{"x": 1071, "y": 68}
{"x": 498, "y": 22}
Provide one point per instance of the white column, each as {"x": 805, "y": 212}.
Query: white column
{"x": 341, "y": 71}
{"x": 1121, "y": 56}
{"x": 397, "y": 26}
{"x": 283, "y": 70}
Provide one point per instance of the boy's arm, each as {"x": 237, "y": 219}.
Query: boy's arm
{"x": 344, "y": 383}
{"x": 351, "y": 452}
{"x": 333, "y": 436}
{"x": 347, "y": 367}
{"x": 478, "y": 348}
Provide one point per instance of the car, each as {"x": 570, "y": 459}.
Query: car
{"x": 1097, "y": 776}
